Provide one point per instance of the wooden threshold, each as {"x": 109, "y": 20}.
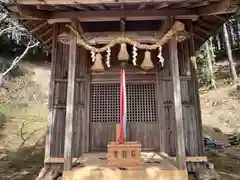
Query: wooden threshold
{"x": 59, "y": 160}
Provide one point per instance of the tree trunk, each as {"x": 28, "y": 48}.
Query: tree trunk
{"x": 218, "y": 41}
{"x": 229, "y": 52}
{"x": 212, "y": 51}
{"x": 236, "y": 31}
{"x": 210, "y": 68}
{"x": 229, "y": 31}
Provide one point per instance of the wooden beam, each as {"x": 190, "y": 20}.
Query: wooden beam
{"x": 177, "y": 104}
{"x": 51, "y": 118}
{"x": 221, "y": 7}
{"x": 39, "y": 27}
{"x": 82, "y": 19}
{"x": 60, "y": 160}
{"x": 30, "y": 2}
{"x": 116, "y": 15}
{"x": 45, "y": 7}
{"x": 199, "y": 4}
{"x": 33, "y": 13}
{"x": 105, "y": 37}
{"x": 220, "y": 17}
{"x": 70, "y": 105}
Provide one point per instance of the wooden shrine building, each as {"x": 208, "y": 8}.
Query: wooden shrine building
{"x": 159, "y": 38}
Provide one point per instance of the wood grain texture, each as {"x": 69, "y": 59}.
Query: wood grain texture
{"x": 70, "y": 106}
{"x": 177, "y": 104}
{"x": 51, "y": 119}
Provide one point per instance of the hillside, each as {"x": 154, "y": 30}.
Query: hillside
{"x": 23, "y": 120}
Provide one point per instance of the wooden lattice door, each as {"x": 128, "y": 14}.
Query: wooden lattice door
{"x": 141, "y": 114}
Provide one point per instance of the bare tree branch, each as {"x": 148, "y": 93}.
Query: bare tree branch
{"x": 3, "y": 17}
{"x": 11, "y": 28}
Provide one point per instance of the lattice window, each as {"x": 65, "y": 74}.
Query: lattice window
{"x": 141, "y": 103}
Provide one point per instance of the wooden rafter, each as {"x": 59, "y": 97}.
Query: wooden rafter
{"x": 181, "y": 4}
{"x": 39, "y": 27}
{"x": 102, "y": 7}
{"x": 64, "y": 7}
{"x": 45, "y": 33}
{"x": 32, "y": 13}
{"x": 45, "y": 7}
{"x": 205, "y": 23}
{"x": 202, "y": 30}
{"x": 47, "y": 41}
{"x": 221, "y": 7}
{"x": 80, "y": 7}
{"x": 199, "y": 4}
{"x": 161, "y": 5}
{"x": 141, "y": 6}
{"x": 202, "y": 38}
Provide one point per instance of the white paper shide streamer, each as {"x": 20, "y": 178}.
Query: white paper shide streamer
{"x": 108, "y": 57}
{"x": 160, "y": 57}
{"x": 93, "y": 56}
{"x": 134, "y": 55}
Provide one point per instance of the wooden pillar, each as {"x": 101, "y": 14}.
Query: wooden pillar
{"x": 51, "y": 119}
{"x": 70, "y": 106}
{"x": 195, "y": 87}
{"x": 177, "y": 104}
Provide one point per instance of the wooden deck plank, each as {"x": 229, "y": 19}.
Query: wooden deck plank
{"x": 101, "y": 158}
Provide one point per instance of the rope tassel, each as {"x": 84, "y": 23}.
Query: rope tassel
{"x": 98, "y": 65}
{"x": 123, "y": 53}
{"x": 147, "y": 62}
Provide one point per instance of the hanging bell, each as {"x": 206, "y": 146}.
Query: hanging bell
{"x": 123, "y": 53}
{"x": 98, "y": 65}
{"x": 147, "y": 62}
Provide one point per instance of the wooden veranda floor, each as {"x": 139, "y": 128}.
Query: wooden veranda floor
{"x": 93, "y": 166}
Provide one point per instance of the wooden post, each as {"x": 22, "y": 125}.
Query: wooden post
{"x": 195, "y": 86}
{"x": 70, "y": 106}
{"x": 229, "y": 52}
{"x": 51, "y": 117}
{"x": 177, "y": 104}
